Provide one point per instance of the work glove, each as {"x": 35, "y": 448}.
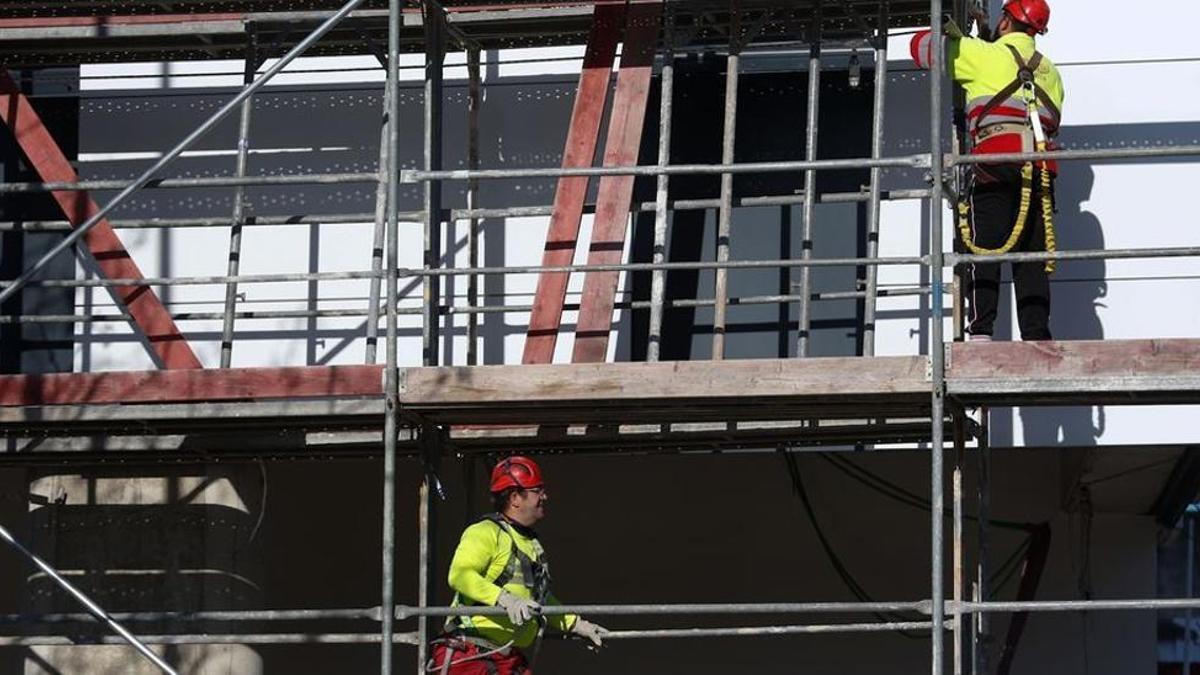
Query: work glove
{"x": 590, "y": 631}
{"x": 519, "y": 610}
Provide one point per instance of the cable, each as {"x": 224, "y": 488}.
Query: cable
{"x": 838, "y": 566}
{"x": 1007, "y": 569}
{"x": 900, "y": 494}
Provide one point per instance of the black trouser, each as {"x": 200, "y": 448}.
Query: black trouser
{"x": 995, "y": 197}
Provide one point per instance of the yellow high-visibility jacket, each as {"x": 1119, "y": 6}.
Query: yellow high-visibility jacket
{"x": 988, "y": 69}
{"x": 493, "y": 555}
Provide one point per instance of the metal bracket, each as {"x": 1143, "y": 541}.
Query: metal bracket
{"x": 928, "y": 369}
{"x": 922, "y": 161}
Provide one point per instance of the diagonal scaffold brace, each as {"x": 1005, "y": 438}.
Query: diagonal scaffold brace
{"x": 94, "y": 609}
{"x": 171, "y": 155}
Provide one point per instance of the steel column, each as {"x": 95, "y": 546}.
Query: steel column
{"x": 810, "y": 186}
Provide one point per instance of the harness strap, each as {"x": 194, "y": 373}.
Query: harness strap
{"x": 528, "y": 573}
{"x": 1024, "y": 70}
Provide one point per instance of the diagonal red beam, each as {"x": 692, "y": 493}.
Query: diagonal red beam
{"x": 151, "y": 317}
{"x": 183, "y": 386}
{"x": 580, "y": 151}
{"x": 616, "y": 192}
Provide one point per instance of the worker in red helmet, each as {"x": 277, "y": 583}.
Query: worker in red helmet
{"x": 501, "y": 563}
{"x": 1014, "y": 98}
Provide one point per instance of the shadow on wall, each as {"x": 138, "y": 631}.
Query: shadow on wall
{"x": 1078, "y": 294}
{"x": 1079, "y": 288}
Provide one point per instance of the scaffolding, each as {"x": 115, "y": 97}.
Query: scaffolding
{"x": 417, "y": 412}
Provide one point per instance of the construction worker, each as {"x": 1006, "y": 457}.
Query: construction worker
{"x": 1014, "y": 98}
{"x": 500, "y": 562}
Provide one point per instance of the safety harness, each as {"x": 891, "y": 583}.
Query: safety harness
{"x": 532, "y": 573}
{"x": 1032, "y": 94}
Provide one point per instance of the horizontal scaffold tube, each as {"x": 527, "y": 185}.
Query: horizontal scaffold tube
{"x": 211, "y": 639}
{"x": 411, "y": 638}
{"x": 1079, "y": 155}
{"x": 459, "y": 214}
{"x": 199, "y": 182}
{"x": 416, "y": 176}
{"x": 919, "y": 606}
{"x": 448, "y": 310}
{"x": 464, "y": 271}
{"x": 950, "y": 260}
{"x": 903, "y": 162}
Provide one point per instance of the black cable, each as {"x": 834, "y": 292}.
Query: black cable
{"x": 897, "y": 493}
{"x": 875, "y": 482}
{"x": 834, "y": 560}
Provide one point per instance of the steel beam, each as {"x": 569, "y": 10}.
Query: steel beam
{"x": 148, "y": 315}
{"x": 171, "y": 155}
{"x": 615, "y": 196}
{"x": 580, "y": 152}
{"x": 153, "y": 386}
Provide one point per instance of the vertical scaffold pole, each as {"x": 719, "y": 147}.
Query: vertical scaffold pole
{"x": 810, "y": 185}
{"x": 936, "y": 347}
{"x": 435, "y": 52}
{"x": 658, "y": 283}
{"x": 1191, "y": 593}
{"x": 959, "y": 551}
{"x": 725, "y": 216}
{"x": 434, "y": 58}
{"x": 875, "y": 206}
{"x": 391, "y": 374}
{"x": 381, "y": 215}
{"x": 239, "y": 202}
{"x": 473, "y": 101}
{"x": 982, "y": 640}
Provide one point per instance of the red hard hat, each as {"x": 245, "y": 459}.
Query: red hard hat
{"x": 1033, "y": 13}
{"x": 516, "y": 471}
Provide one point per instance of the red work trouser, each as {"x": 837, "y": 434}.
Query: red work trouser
{"x": 467, "y": 658}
